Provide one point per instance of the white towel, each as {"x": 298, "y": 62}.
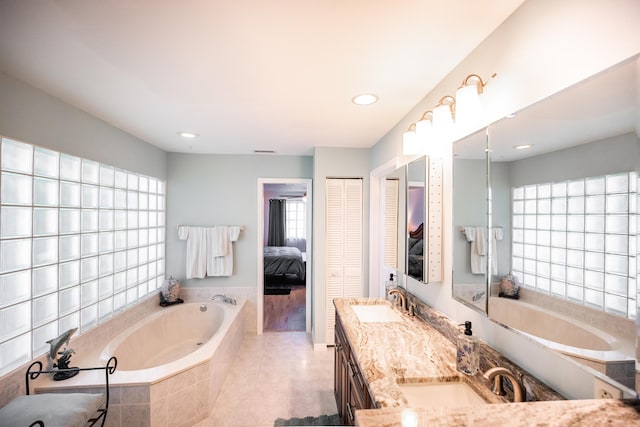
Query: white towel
{"x": 223, "y": 265}
{"x": 196, "y": 237}
{"x": 218, "y": 241}
{"x": 477, "y": 236}
{"x": 480, "y": 242}
{"x": 470, "y": 233}
{"x": 497, "y": 234}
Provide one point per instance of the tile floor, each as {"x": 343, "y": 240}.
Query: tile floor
{"x": 275, "y": 375}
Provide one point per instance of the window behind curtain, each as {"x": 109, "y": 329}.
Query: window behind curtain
{"x": 296, "y": 224}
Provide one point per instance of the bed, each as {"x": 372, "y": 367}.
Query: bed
{"x": 415, "y": 252}
{"x": 283, "y": 261}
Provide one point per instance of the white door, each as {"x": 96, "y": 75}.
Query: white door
{"x": 344, "y": 244}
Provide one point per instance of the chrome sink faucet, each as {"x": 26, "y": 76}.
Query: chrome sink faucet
{"x": 225, "y": 299}
{"x": 496, "y": 374}
{"x": 401, "y": 297}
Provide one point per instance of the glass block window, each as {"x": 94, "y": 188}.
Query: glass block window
{"x": 577, "y": 240}
{"x": 79, "y": 242}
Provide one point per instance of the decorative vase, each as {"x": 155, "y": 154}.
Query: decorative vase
{"x": 171, "y": 290}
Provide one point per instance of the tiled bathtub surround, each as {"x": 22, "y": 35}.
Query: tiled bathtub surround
{"x": 623, "y": 371}
{"x": 88, "y": 344}
{"x": 193, "y": 390}
{"x": 183, "y": 399}
{"x": 615, "y": 325}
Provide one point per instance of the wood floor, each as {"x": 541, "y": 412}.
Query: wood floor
{"x": 286, "y": 312}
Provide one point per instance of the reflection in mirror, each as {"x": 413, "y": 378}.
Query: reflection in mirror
{"x": 469, "y": 221}
{"x": 394, "y": 221}
{"x": 564, "y": 190}
{"x": 416, "y": 180}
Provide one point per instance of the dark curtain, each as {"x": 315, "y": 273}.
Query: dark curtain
{"x": 277, "y": 223}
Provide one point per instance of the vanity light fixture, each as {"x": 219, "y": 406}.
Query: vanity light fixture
{"x": 443, "y": 119}
{"x": 436, "y": 129}
{"x": 522, "y": 146}
{"x": 410, "y": 142}
{"x": 424, "y": 128}
{"x": 189, "y": 135}
{"x": 468, "y": 105}
{"x": 445, "y": 112}
{"x": 365, "y": 99}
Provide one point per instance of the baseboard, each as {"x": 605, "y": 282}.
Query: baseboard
{"x": 320, "y": 347}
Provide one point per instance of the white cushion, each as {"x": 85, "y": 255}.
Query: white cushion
{"x": 54, "y": 409}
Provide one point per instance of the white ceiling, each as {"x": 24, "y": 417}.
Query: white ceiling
{"x": 244, "y": 74}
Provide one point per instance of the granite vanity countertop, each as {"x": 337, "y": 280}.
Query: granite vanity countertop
{"x": 560, "y": 413}
{"x": 409, "y": 350}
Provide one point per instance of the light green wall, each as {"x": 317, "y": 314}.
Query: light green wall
{"x": 29, "y": 115}
{"x": 210, "y": 189}
{"x": 469, "y": 210}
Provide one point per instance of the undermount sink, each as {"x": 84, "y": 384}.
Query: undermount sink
{"x": 440, "y": 394}
{"x": 376, "y": 313}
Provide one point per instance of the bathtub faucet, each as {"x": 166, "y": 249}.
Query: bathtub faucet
{"x": 477, "y": 295}
{"x": 225, "y": 299}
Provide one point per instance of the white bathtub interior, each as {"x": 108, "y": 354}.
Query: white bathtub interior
{"x": 166, "y": 336}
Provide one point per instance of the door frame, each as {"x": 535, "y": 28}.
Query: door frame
{"x": 260, "y": 245}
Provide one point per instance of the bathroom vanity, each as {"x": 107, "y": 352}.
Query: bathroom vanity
{"x": 351, "y": 390}
{"x": 389, "y": 365}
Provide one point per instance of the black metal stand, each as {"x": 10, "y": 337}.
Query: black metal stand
{"x": 35, "y": 369}
{"x": 65, "y": 374}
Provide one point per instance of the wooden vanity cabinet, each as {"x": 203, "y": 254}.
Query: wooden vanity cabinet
{"x": 350, "y": 388}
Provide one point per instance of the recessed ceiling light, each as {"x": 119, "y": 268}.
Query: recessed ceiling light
{"x": 522, "y": 146}
{"x": 190, "y": 135}
{"x": 364, "y": 99}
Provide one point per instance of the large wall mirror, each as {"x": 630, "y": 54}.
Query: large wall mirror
{"x": 470, "y": 220}
{"x": 564, "y": 210}
{"x": 395, "y": 208}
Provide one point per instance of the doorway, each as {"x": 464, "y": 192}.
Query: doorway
{"x": 284, "y": 255}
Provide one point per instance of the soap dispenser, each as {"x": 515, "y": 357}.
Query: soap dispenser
{"x": 467, "y": 358}
{"x": 389, "y": 284}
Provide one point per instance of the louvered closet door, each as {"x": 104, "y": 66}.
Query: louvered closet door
{"x": 344, "y": 244}
{"x": 392, "y": 189}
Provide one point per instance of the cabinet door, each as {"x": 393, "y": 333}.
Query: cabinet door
{"x": 359, "y": 388}
{"x": 341, "y": 376}
{"x": 355, "y": 398}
